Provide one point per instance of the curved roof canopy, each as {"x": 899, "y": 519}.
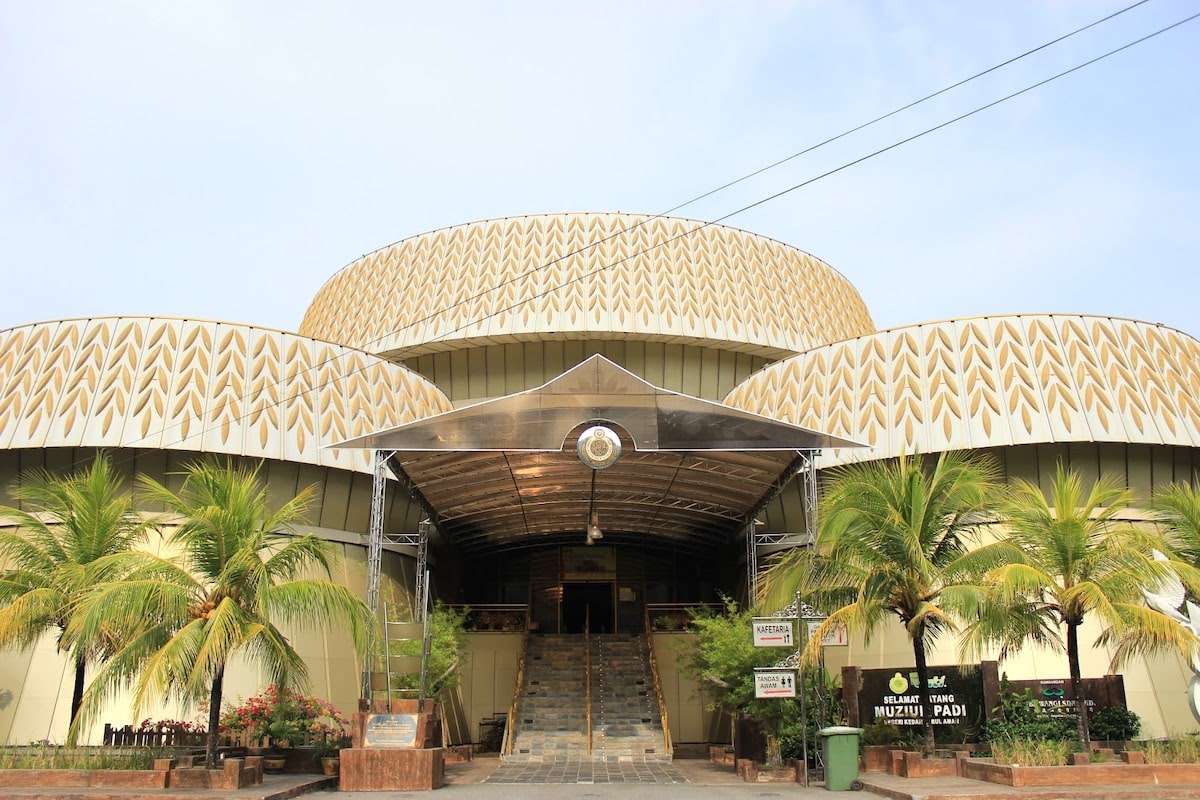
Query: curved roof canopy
{"x": 504, "y": 473}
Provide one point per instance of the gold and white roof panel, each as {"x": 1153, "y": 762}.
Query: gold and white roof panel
{"x": 200, "y": 386}
{"x": 990, "y": 382}
{"x": 565, "y": 276}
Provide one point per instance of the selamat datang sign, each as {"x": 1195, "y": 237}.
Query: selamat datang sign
{"x": 893, "y": 696}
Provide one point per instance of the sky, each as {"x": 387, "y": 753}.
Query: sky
{"x": 223, "y": 159}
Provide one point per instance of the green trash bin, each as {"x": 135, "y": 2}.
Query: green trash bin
{"x": 840, "y": 751}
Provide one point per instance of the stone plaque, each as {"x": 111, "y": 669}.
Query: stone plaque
{"x": 391, "y": 730}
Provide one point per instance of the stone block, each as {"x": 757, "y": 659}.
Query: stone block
{"x": 391, "y": 769}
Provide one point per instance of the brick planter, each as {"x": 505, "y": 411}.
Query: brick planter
{"x": 233, "y": 774}
{"x": 107, "y": 778}
{"x": 1081, "y": 775}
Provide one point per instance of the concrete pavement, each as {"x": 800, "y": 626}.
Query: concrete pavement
{"x": 704, "y": 781}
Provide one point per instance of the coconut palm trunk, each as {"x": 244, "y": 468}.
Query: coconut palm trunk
{"x": 1081, "y": 709}
{"x": 214, "y": 718}
{"x": 923, "y": 689}
{"x": 80, "y": 683}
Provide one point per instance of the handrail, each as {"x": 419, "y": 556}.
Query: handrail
{"x": 587, "y": 671}
{"x": 658, "y": 690}
{"x": 506, "y": 748}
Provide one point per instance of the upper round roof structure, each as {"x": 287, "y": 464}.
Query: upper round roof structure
{"x": 574, "y": 276}
{"x": 210, "y": 387}
{"x": 990, "y": 382}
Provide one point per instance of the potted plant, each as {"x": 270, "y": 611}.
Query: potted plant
{"x": 329, "y": 751}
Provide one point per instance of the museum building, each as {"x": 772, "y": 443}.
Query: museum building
{"x": 466, "y": 372}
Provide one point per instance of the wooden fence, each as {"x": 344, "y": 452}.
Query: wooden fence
{"x": 175, "y": 736}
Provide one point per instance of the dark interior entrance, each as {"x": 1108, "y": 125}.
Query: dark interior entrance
{"x": 587, "y": 601}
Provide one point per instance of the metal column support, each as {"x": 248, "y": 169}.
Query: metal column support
{"x": 803, "y": 468}
{"x": 809, "y": 488}
{"x": 421, "y": 592}
{"x": 375, "y": 529}
{"x": 751, "y": 563}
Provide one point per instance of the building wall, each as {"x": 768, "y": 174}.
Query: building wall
{"x": 491, "y": 371}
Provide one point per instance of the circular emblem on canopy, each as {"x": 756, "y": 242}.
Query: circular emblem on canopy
{"x": 599, "y": 447}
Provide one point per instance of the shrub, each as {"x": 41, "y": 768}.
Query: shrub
{"x": 1114, "y": 724}
{"x": 880, "y": 732}
{"x": 1020, "y": 718}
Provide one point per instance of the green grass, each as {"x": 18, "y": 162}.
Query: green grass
{"x": 1031, "y": 753}
{"x": 1184, "y": 750}
{"x": 51, "y": 757}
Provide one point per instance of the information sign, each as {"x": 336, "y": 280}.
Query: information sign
{"x": 775, "y": 683}
{"x": 833, "y": 638}
{"x": 391, "y": 730}
{"x": 773, "y": 633}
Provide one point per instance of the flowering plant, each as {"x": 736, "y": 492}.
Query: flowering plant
{"x": 283, "y": 714}
{"x": 149, "y": 725}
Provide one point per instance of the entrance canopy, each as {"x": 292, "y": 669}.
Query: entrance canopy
{"x": 504, "y": 473}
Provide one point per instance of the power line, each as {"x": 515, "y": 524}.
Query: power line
{"x": 762, "y": 201}
{"x": 833, "y": 171}
{"x": 522, "y": 276}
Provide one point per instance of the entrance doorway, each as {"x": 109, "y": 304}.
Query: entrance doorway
{"x": 587, "y": 602}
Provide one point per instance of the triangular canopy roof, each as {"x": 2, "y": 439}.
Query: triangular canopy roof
{"x": 504, "y": 473}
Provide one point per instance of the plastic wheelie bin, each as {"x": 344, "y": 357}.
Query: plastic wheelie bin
{"x": 840, "y": 751}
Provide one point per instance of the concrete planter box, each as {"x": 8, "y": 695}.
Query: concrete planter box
{"x": 878, "y": 757}
{"x": 1080, "y": 775}
{"x": 717, "y": 754}
{"x": 752, "y": 772}
{"x": 911, "y": 764}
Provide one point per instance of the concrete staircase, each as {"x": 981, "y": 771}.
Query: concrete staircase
{"x": 626, "y": 720}
{"x": 551, "y": 719}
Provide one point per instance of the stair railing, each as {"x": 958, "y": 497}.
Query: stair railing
{"x": 587, "y": 671}
{"x": 510, "y": 726}
{"x": 658, "y": 690}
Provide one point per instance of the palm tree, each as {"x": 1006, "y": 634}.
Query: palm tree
{"x": 1064, "y": 558}
{"x": 889, "y": 536}
{"x": 239, "y": 573}
{"x": 74, "y": 532}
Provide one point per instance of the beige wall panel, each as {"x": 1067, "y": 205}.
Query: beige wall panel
{"x": 656, "y": 364}
{"x": 1162, "y": 465}
{"x": 334, "y": 500}
{"x": 1112, "y": 460}
{"x": 685, "y": 707}
{"x": 1140, "y": 471}
{"x": 1022, "y": 463}
{"x": 14, "y": 668}
{"x": 489, "y": 675}
{"x": 358, "y": 509}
